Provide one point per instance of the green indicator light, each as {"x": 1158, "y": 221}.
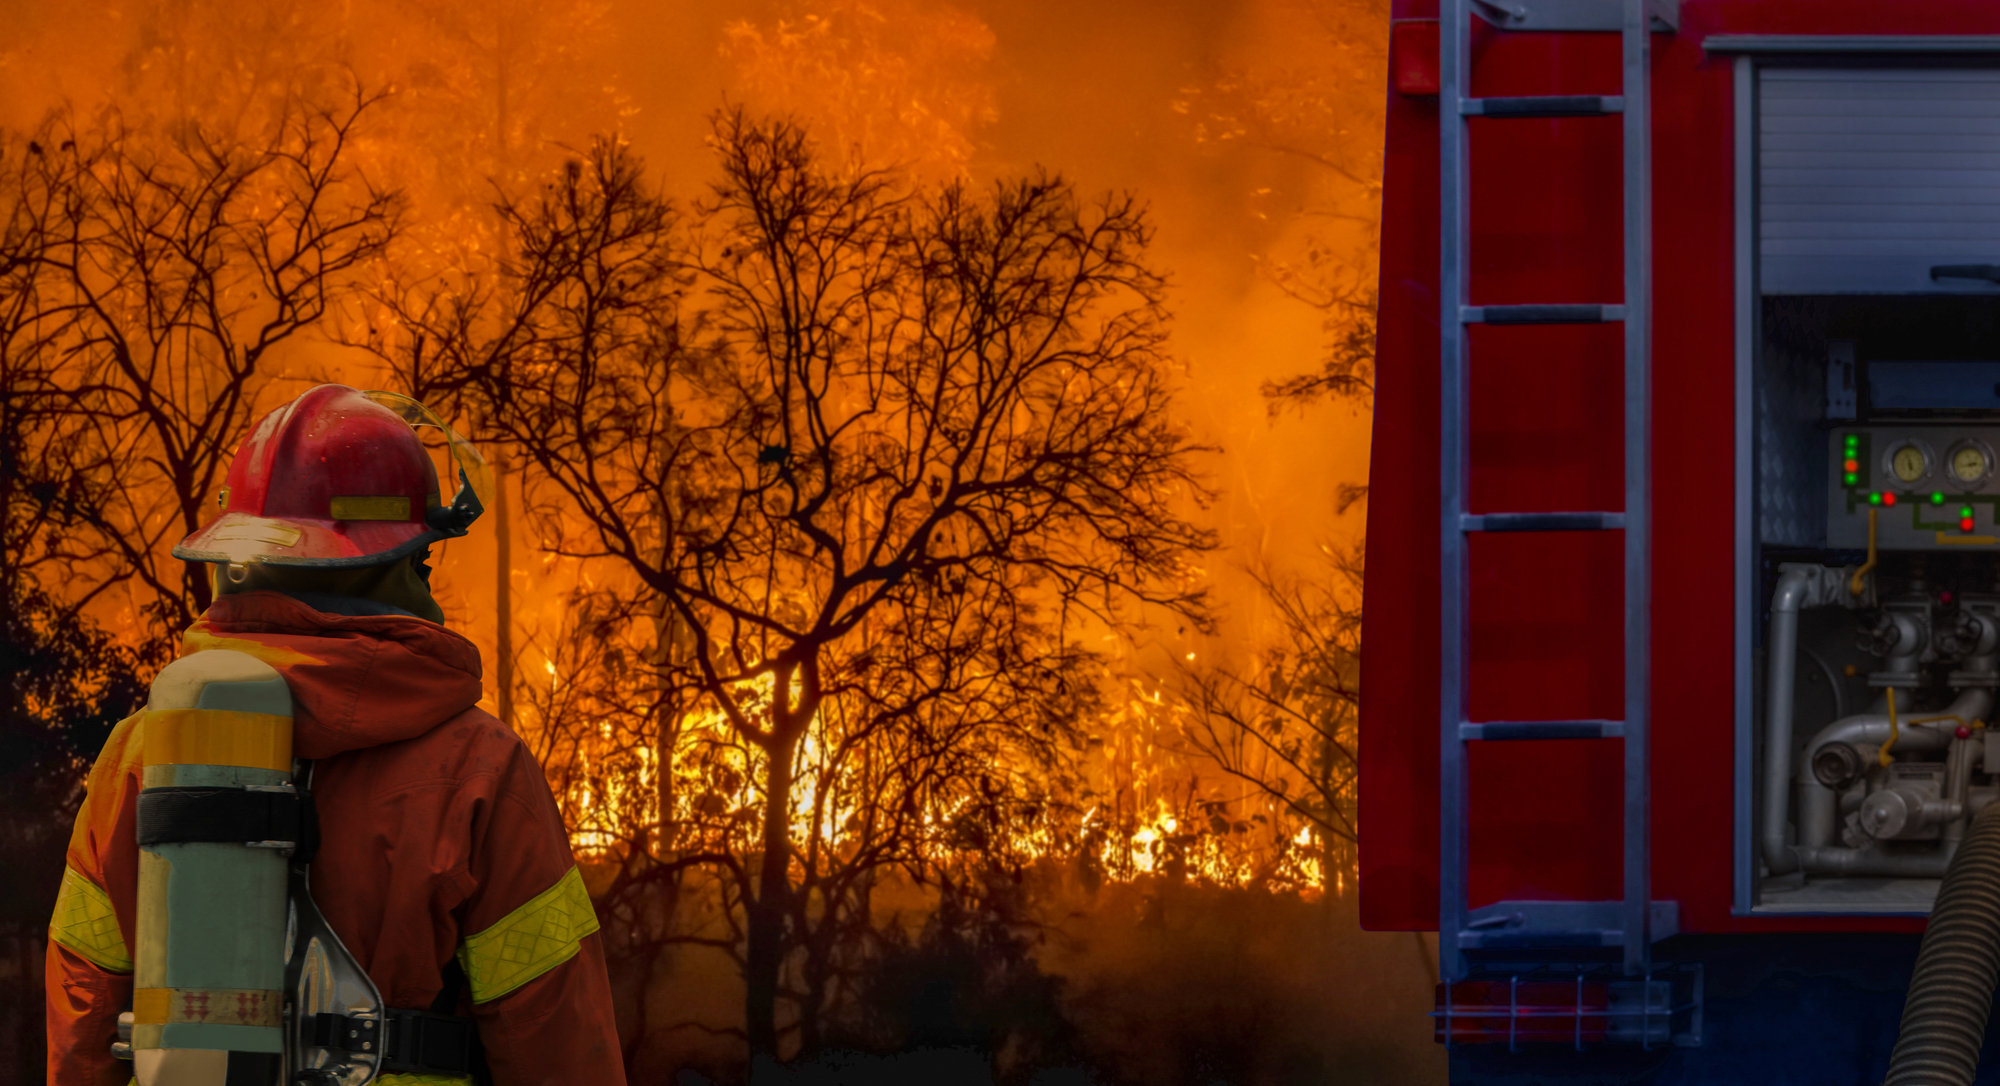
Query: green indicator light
{"x": 1965, "y": 511}
{"x": 1874, "y": 498}
{"x": 1937, "y": 498}
{"x": 1850, "y": 478}
{"x": 1853, "y": 439}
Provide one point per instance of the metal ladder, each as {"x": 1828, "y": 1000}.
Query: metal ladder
{"x": 1534, "y": 929}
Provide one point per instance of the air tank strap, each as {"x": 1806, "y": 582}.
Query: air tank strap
{"x": 274, "y": 816}
{"x": 416, "y": 1042}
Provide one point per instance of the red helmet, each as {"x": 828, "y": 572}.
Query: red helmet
{"x": 338, "y": 478}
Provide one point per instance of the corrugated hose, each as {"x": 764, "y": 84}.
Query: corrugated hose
{"x": 1958, "y": 963}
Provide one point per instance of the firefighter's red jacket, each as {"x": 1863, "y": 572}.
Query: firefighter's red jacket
{"x": 440, "y": 838}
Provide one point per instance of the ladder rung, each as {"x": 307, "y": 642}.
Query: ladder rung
{"x": 1492, "y": 730}
{"x": 1541, "y": 522}
{"x": 1540, "y": 314}
{"x": 1544, "y": 105}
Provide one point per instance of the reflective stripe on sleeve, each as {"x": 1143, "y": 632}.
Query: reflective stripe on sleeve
{"x": 83, "y": 921}
{"x": 533, "y": 939}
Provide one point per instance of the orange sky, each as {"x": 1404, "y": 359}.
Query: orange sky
{"x": 1085, "y": 89}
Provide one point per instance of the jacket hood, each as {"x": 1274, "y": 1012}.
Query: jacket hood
{"x": 356, "y": 681}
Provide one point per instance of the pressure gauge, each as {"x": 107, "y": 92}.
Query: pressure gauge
{"x": 1971, "y": 461}
{"x": 1908, "y": 463}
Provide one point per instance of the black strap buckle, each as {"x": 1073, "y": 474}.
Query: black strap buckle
{"x": 351, "y": 1034}
{"x": 426, "y": 1043}
{"x": 408, "y": 1041}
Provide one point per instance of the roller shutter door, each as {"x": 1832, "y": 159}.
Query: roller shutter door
{"x": 1868, "y": 178}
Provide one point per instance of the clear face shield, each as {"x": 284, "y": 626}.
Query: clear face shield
{"x": 475, "y": 479}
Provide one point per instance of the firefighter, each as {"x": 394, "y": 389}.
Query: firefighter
{"x": 442, "y": 864}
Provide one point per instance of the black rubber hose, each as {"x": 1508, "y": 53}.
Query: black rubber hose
{"x": 1951, "y": 993}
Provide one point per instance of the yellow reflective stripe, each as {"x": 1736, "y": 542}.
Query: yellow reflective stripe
{"x": 216, "y": 1006}
{"x": 383, "y": 508}
{"x": 83, "y": 921}
{"x": 529, "y": 941}
{"x": 216, "y": 737}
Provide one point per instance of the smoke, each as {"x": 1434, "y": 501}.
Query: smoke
{"x": 1118, "y": 96}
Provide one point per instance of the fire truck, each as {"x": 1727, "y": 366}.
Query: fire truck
{"x": 1682, "y": 609}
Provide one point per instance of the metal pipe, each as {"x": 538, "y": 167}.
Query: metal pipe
{"x": 1965, "y": 753}
{"x": 1798, "y": 586}
{"x": 1866, "y": 862}
{"x": 1818, "y": 821}
{"x": 1819, "y": 806}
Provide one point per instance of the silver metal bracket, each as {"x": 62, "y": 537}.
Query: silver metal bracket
{"x": 321, "y": 977}
{"x": 1559, "y": 925}
{"x": 1603, "y": 15}
{"x": 1573, "y": 1004}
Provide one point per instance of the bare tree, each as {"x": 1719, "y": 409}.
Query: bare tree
{"x": 63, "y": 680}
{"x": 1284, "y": 728}
{"x": 171, "y": 274}
{"x": 868, "y": 404}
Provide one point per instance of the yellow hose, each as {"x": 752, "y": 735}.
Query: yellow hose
{"x": 1859, "y": 582}
{"x": 1882, "y": 756}
{"x": 1937, "y": 719}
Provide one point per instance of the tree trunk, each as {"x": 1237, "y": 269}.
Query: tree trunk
{"x": 196, "y": 576}
{"x": 816, "y": 969}
{"x": 668, "y": 653}
{"x": 765, "y": 955}
{"x": 503, "y": 591}
{"x": 199, "y": 587}
{"x": 664, "y": 742}
{"x": 503, "y": 526}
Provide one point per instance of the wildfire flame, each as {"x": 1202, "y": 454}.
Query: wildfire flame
{"x": 1151, "y": 817}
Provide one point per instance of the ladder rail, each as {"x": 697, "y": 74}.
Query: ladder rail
{"x": 1636, "y": 921}
{"x": 1636, "y": 44}
{"x": 1454, "y": 660}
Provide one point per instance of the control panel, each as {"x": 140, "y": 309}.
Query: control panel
{"x": 1931, "y": 486}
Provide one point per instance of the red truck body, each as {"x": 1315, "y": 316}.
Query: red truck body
{"x": 1545, "y": 206}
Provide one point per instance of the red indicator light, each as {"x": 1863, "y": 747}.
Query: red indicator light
{"x": 1888, "y": 497}
{"x": 1851, "y": 465}
{"x": 1965, "y": 525}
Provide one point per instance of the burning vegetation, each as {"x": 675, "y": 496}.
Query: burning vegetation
{"x": 857, "y": 582}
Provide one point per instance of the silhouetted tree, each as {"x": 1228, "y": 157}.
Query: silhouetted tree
{"x": 1284, "y": 727}
{"x": 170, "y": 271}
{"x": 63, "y": 680}
{"x": 863, "y": 443}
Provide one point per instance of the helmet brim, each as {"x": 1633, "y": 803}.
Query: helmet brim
{"x": 241, "y": 539}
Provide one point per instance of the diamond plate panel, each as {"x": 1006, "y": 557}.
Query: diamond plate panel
{"x": 1791, "y": 402}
